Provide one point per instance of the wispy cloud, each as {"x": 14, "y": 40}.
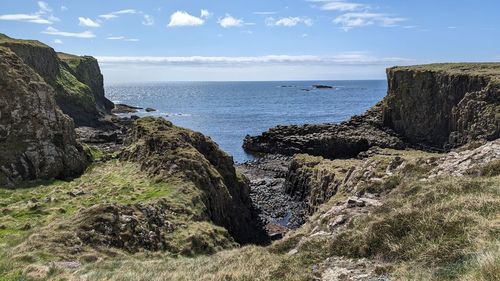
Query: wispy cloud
{"x": 52, "y": 31}
{"x": 116, "y": 14}
{"x": 349, "y": 21}
{"x": 354, "y": 58}
{"x": 42, "y": 16}
{"x": 123, "y": 38}
{"x": 205, "y": 14}
{"x": 264, "y": 13}
{"x": 58, "y": 41}
{"x": 87, "y": 22}
{"x": 230, "y": 21}
{"x": 289, "y": 21}
{"x": 339, "y": 5}
{"x": 44, "y": 7}
{"x": 148, "y": 20}
{"x": 182, "y": 18}
{"x": 357, "y": 14}
{"x": 26, "y": 18}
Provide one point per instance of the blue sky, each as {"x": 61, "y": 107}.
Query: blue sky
{"x": 261, "y": 39}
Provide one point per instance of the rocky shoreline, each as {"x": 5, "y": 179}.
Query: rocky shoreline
{"x": 278, "y": 211}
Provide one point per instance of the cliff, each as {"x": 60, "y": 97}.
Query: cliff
{"x": 437, "y": 106}
{"x": 77, "y": 81}
{"x": 166, "y": 151}
{"x": 444, "y": 105}
{"x": 36, "y": 139}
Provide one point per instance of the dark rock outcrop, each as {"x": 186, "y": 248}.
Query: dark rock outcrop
{"x": 77, "y": 81}
{"x": 166, "y": 151}
{"x": 343, "y": 140}
{"x": 444, "y": 105}
{"x": 36, "y": 139}
{"x": 124, "y": 108}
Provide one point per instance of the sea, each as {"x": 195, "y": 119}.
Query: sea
{"x": 228, "y": 111}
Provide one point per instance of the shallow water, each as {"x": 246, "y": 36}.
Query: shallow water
{"x": 227, "y": 111}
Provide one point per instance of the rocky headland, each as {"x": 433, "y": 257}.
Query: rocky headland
{"x": 409, "y": 190}
{"x": 433, "y": 107}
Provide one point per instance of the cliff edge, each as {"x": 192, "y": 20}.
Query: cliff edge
{"x": 437, "y": 107}
{"x": 77, "y": 80}
{"x": 36, "y": 139}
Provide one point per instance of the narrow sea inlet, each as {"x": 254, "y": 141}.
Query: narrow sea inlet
{"x": 228, "y": 111}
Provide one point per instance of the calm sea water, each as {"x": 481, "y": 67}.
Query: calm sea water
{"x": 227, "y": 111}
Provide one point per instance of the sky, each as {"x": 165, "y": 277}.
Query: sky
{"x": 201, "y": 40}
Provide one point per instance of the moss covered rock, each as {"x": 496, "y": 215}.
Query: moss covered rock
{"x": 77, "y": 81}
{"x": 36, "y": 139}
{"x": 167, "y": 151}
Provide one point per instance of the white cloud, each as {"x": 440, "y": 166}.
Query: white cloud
{"x": 39, "y": 17}
{"x": 148, "y": 20}
{"x": 52, "y": 31}
{"x": 354, "y": 65}
{"x": 58, "y": 41}
{"x": 349, "y": 21}
{"x": 116, "y": 38}
{"x": 182, "y": 18}
{"x": 44, "y": 7}
{"x": 264, "y": 13}
{"x": 115, "y": 14}
{"x": 354, "y": 58}
{"x": 205, "y": 14}
{"x": 339, "y": 5}
{"x": 229, "y": 21}
{"x": 25, "y": 18}
{"x": 64, "y": 8}
{"x": 87, "y": 22}
{"x": 126, "y": 11}
{"x": 108, "y": 16}
{"x": 289, "y": 21}
{"x": 123, "y": 38}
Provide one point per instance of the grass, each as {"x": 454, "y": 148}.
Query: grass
{"x": 6, "y": 39}
{"x": 53, "y": 209}
{"x": 445, "y": 228}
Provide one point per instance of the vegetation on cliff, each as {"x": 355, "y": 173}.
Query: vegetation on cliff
{"x": 77, "y": 81}
{"x": 173, "y": 192}
{"x": 391, "y": 217}
{"x": 36, "y": 139}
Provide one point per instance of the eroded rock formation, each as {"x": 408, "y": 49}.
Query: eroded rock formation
{"x": 36, "y": 139}
{"x": 166, "y": 151}
{"x": 77, "y": 81}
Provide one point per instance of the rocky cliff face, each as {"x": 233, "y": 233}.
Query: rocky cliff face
{"x": 86, "y": 70}
{"x": 431, "y": 106}
{"x": 36, "y": 139}
{"x": 444, "y": 105}
{"x": 167, "y": 152}
{"x": 77, "y": 81}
